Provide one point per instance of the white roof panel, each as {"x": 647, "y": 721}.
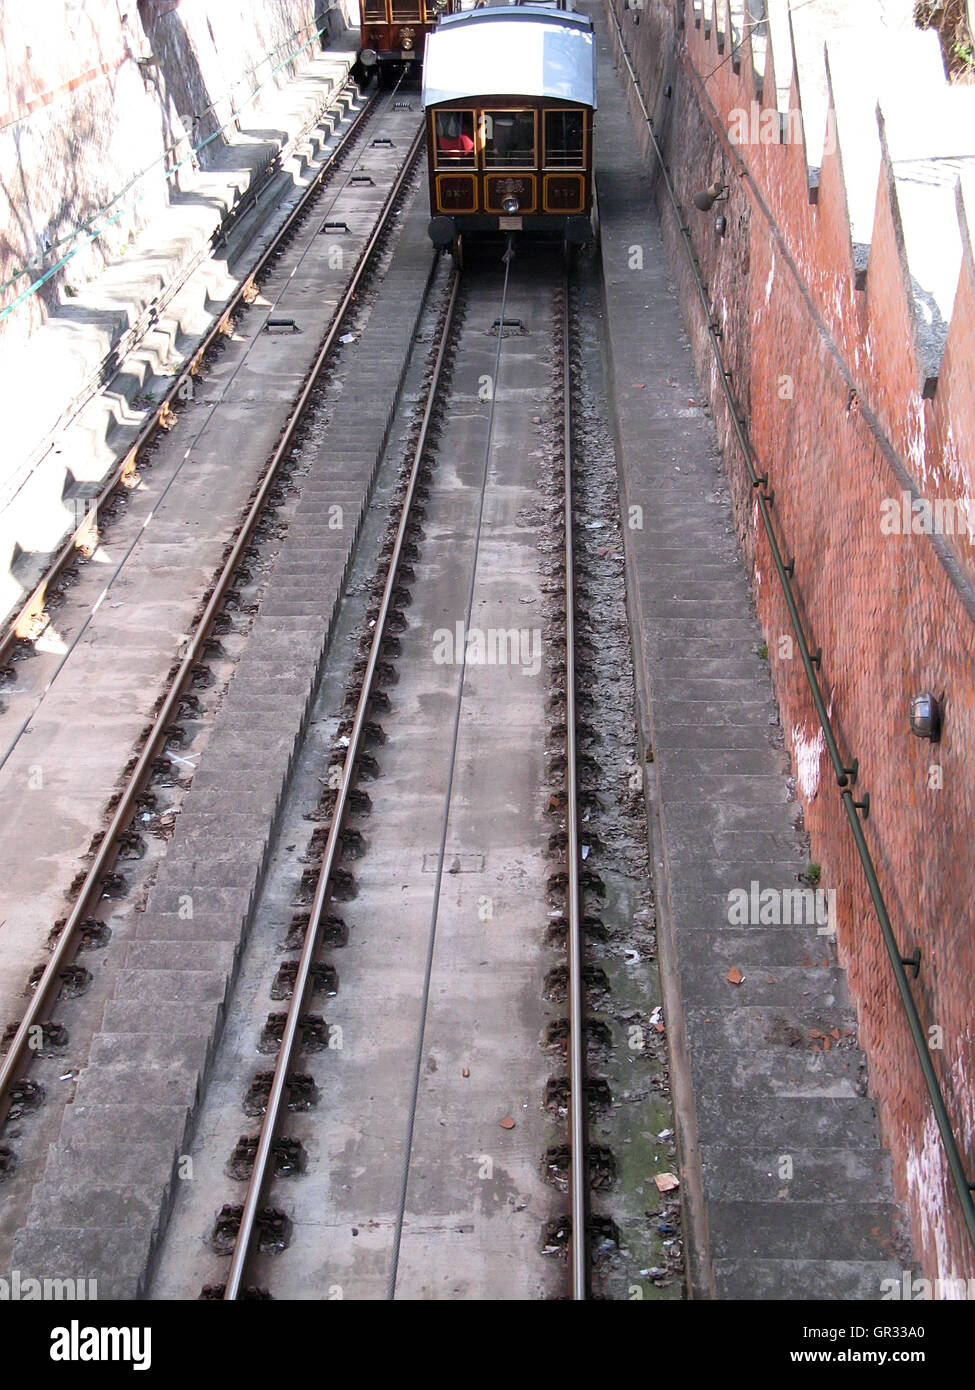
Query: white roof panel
{"x": 516, "y": 52}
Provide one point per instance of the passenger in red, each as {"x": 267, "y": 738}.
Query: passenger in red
{"x": 455, "y": 133}
{"x": 459, "y": 144}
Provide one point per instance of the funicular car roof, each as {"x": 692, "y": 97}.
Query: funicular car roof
{"x": 525, "y": 50}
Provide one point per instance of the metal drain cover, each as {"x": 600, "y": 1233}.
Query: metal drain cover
{"x": 454, "y": 863}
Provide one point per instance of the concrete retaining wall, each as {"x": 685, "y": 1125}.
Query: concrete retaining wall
{"x": 92, "y": 94}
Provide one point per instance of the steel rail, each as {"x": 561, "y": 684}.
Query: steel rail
{"x": 578, "y": 1259}
{"x": 846, "y": 773}
{"x": 16, "y": 1057}
{"x": 21, "y": 624}
{"x": 261, "y": 1171}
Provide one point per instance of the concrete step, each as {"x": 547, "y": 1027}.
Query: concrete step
{"x": 801, "y": 1175}
{"x": 794, "y": 1075}
{"x": 705, "y": 982}
{"x": 84, "y": 1125}
{"x": 756, "y": 1029}
{"x": 754, "y": 948}
{"x": 829, "y": 1229}
{"x": 114, "y": 1256}
{"x": 783, "y": 1122}
{"x": 127, "y": 1202}
{"x": 798, "y": 1280}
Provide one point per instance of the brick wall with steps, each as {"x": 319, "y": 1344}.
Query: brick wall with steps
{"x": 786, "y": 1187}
{"x": 845, "y": 291}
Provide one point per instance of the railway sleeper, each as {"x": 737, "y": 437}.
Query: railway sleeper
{"x": 51, "y": 1039}
{"x": 372, "y": 732}
{"x": 367, "y": 766}
{"x": 555, "y": 989}
{"x": 323, "y": 978}
{"x": 555, "y": 1038}
{"x": 306, "y": 886}
{"x": 312, "y": 1029}
{"x": 558, "y": 1093}
{"x": 92, "y": 934}
{"x": 214, "y": 1293}
{"x": 75, "y": 979}
{"x": 300, "y": 1092}
{"x": 290, "y": 1157}
{"x": 350, "y": 839}
{"x": 131, "y": 845}
{"x": 163, "y": 770}
{"x": 604, "y": 1236}
{"x": 378, "y": 700}
{"x": 600, "y": 1167}
{"x": 359, "y": 802}
{"x": 352, "y": 842}
{"x": 386, "y": 673}
{"x": 589, "y": 880}
{"x": 201, "y": 676}
{"x": 25, "y": 1095}
{"x": 273, "y": 1229}
{"x": 333, "y": 928}
{"x": 401, "y": 595}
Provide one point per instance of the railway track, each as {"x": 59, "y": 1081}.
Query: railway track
{"x": 458, "y": 979}
{"x": 478, "y": 330}
{"x": 63, "y": 975}
{"x": 34, "y": 616}
{"x": 17, "y": 1053}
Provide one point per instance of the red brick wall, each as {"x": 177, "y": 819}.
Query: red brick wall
{"x": 894, "y": 614}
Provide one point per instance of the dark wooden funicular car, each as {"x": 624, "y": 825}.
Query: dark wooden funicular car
{"x": 393, "y": 34}
{"x": 509, "y": 94}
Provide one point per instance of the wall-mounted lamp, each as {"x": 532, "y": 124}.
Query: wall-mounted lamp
{"x": 926, "y": 716}
{"x": 707, "y": 197}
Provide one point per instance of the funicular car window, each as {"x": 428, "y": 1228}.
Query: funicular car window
{"x": 407, "y": 9}
{"x": 455, "y": 139}
{"x": 509, "y": 139}
{"x": 375, "y": 12}
{"x": 564, "y": 140}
